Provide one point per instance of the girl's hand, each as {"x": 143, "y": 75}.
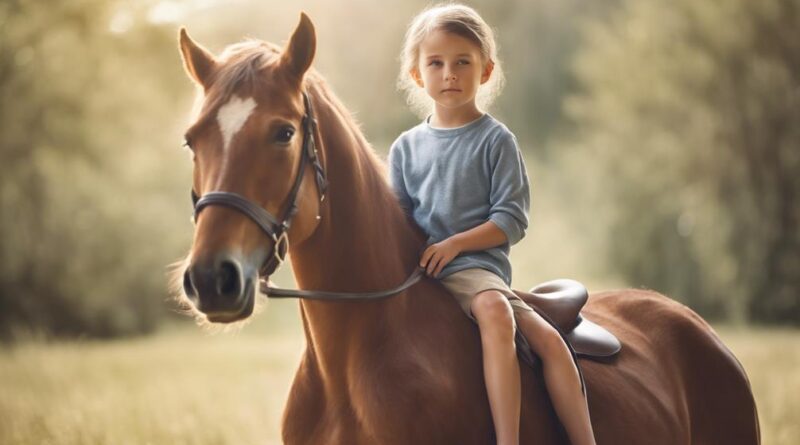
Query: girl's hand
{"x": 437, "y": 255}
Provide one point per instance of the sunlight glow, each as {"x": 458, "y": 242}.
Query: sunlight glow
{"x": 121, "y": 22}
{"x": 167, "y": 12}
{"x": 170, "y": 11}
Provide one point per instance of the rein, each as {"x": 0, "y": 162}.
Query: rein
{"x": 275, "y": 292}
{"x": 277, "y": 229}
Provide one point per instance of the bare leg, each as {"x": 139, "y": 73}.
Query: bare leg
{"x": 500, "y": 365}
{"x": 561, "y": 376}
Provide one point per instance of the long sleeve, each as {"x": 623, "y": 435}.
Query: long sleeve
{"x": 397, "y": 181}
{"x": 510, "y": 191}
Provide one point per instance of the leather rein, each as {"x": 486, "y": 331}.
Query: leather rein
{"x": 277, "y": 229}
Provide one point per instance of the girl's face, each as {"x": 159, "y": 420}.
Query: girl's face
{"x": 450, "y": 69}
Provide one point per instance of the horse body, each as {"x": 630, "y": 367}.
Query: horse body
{"x": 408, "y": 369}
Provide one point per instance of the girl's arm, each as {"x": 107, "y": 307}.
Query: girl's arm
{"x": 482, "y": 237}
{"x": 510, "y": 191}
{"x": 396, "y": 179}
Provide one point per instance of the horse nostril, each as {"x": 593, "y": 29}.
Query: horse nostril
{"x": 228, "y": 280}
{"x": 188, "y": 287}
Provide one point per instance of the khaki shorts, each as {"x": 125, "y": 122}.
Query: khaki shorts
{"x": 467, "y": 283}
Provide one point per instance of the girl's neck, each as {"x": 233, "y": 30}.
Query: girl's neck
{"x": 454, "y": 117}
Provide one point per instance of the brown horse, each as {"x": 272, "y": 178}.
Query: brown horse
{"x": 407, "y": 369}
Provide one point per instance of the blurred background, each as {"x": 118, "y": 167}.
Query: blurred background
{"x": 662, "y": 140}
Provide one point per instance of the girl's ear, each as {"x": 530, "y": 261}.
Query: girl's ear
{"x": 487, "y": 72}
{"x": 414, "y": 72}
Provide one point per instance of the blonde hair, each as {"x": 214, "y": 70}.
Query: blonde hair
{"x": 456, "y": 19}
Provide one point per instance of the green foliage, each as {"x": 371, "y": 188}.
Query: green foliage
{"x": 85, "y": 174}
{"x": 93, "y": 188}
{"x": 688, "y": 117}
{"x": 678, "y": 157}
{"x": 538, "y": 39}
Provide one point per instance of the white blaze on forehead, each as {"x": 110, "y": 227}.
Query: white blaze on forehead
{"x": 232, "y": 116}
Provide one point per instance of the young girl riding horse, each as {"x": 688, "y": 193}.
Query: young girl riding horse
{"x": 461, "y": 176}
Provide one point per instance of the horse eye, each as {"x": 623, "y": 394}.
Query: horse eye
{"x": 284, "y": 135}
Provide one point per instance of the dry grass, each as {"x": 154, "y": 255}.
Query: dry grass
{"x": 187, "y": 387}
{"x": 178, "y": 388}
{"x": 771, "y": 357}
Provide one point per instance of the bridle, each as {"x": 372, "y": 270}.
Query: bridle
{"x": 277, "y": 229}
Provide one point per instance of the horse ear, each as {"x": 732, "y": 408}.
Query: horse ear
{"x": 198, "y": 61}
{"x": 299, "y": 52}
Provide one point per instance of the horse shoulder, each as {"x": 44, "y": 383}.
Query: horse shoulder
{"x": 309, "y": 417}
{"x": 422, "y": 376}
{"x": 304, "y": 403}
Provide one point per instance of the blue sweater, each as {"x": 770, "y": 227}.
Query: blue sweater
{"x": 453, "y": 179}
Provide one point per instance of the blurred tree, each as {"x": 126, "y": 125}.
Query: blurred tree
{"x": 688, "y": 121}
{"x": 83, "y": 173}
{"x": 538, "y": 39}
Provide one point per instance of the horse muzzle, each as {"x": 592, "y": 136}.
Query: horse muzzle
{"x": 221, "y": 287}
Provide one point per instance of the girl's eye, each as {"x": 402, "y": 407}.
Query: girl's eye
{"x": 435, "y": 62}
{"x": 464, "y": 62}
{"x": 284, "y": 135}
{"x": 186, "y": 144}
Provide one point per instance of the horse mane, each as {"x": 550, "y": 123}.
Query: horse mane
{"x": 368, "y": 159}
{"x": 382, "y": 223}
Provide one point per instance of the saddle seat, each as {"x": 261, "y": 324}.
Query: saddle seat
{"x": 560, "y": 302}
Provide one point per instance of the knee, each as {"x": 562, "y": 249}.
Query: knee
{"x": 493, "y": 313}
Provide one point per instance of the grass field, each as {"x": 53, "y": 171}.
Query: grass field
{"x": 184, "y": 386}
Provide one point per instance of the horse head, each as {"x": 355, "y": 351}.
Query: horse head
{"x": 255, "y": 166}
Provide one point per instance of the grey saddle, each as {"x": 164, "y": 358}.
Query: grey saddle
{"x": 560, "y": 302}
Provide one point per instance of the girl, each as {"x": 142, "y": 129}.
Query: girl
{"x": 461, "y": 176}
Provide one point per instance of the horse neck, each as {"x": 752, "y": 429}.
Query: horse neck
{"x": 363, "y": 242}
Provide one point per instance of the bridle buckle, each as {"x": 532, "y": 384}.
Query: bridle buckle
{"x": 276, "y": 251}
